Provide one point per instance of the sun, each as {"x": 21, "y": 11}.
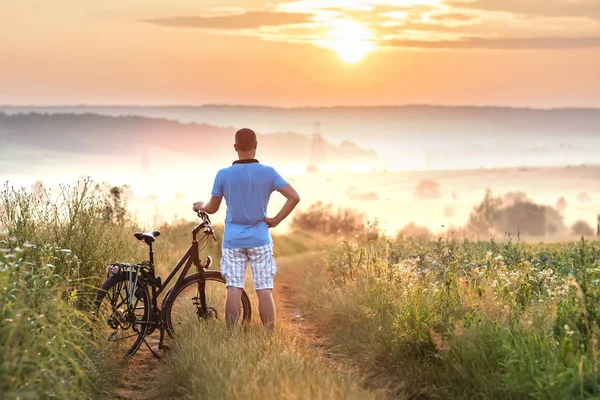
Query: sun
{"x": 350, "y": 40}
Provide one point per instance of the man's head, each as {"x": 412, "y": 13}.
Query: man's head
{"x": 245, "y": 141}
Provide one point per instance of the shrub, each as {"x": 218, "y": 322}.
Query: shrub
{"x": 322, "y": 218}
{"x": 582, "y": 228}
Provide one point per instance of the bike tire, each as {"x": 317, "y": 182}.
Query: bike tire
{"x": 108, "y": 295}
{"x": 213, "y": 279}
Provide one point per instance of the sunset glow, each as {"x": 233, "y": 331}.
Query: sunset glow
{"x": 350, "y": 40}
{"x": 297, "y": 52}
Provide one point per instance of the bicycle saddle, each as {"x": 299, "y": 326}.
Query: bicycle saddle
{"x": 147, "y": 237}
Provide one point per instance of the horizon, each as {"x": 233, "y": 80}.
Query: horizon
{"x": 298, "y": 107}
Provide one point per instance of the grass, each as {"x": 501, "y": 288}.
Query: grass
{"x": 466, "y": 320}
{"x": 431, "y": 319}
{"x": 210, "y": 361}
{"x": 53, "y": 251}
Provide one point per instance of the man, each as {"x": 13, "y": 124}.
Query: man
{"x": 247, "y": 186}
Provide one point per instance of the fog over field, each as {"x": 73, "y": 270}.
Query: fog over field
{"x": 371, "y": 159}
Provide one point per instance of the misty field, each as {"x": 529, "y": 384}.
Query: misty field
{"x": 361, "y": 314}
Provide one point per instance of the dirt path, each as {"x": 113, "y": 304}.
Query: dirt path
{"x": 290, "y": 298}
{"x": 137, "y": 375}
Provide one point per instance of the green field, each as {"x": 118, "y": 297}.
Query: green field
{"x": 364, "y": 316}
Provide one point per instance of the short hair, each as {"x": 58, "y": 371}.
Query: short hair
{"x": 245, "y": 139}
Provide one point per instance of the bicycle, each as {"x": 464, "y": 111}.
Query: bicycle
{"x": 127, "y": 301}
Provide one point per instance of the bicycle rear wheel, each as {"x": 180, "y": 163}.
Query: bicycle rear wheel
{"x": 186, "y": 305}
{"x": 119, "y": 316}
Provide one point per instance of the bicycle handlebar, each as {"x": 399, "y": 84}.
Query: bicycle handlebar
{"x": 207, "y": 224}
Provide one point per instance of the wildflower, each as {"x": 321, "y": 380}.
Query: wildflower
{"x": 488, "y": 256}
{"x": 499, "y": 258}
{"x": 568, "y": 330}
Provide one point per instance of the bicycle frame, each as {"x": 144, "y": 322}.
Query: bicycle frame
{"x": 191, "y": 257}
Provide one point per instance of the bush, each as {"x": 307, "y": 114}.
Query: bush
{"x": 323, "y": 219}
{"x": 582, "y": 228}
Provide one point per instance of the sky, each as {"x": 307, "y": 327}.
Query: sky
{"x": 288, "y": 53}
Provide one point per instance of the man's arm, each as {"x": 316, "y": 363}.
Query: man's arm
{"x": 212, "y": 206}
{"x": 293, "y": 198}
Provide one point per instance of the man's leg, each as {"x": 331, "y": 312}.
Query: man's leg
{"x": 266, "y": 308}
{"x": 233, "y": 268}
{"x": 264, "y": 269}
{"x": 233, "y": 306}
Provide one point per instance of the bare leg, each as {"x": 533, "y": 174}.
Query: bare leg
{"x": 266, "y": 308}
{"x": 233, "y": 307}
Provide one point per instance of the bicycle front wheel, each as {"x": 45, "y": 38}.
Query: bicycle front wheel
{"x": 186, "y": 309}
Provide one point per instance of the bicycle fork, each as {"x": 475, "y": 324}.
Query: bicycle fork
{"x": 200, "y": 300}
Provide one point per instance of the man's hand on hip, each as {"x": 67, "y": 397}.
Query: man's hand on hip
{"x": 271, "y": 222}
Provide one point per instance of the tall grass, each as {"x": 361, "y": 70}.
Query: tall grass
{"x": 53, "y": 250}
{"x": 467, "y": 320}
{"x": 211, "y": 362}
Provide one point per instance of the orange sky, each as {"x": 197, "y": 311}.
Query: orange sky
{"x": 542, "y": 53}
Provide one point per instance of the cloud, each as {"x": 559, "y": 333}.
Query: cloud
{"x": 451, "y": 17}
{"x": 248, "y": 20}
{"x": 501, "y": 43}
{"x": 543, "y": 8}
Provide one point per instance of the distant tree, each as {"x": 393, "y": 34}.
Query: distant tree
{"x": 561, "y": 204}
{"x": 521, "y": 215}
{"x": 484, "y": 215}
{"x": 511, "y": 198}
{"x": 582, "y": 228}
{"x": 414, "y": 231}
{"x": 427, "y": 190}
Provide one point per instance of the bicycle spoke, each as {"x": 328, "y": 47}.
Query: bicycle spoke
{"x": 121, "y": 317}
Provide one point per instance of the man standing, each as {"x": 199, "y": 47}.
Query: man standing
{"x": 247, "y": 186}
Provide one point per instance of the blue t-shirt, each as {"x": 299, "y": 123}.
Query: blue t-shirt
{"x": 247, "y": 188}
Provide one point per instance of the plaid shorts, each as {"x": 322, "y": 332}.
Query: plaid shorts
{"x": 262, "y": 263}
